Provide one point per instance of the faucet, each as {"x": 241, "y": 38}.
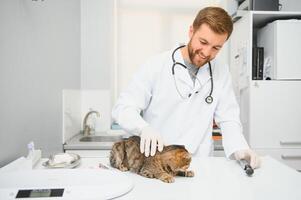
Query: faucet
{"x": 88, "y": 128}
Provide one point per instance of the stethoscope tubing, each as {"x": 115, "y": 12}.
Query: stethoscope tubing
{"x": 209, "y": 98}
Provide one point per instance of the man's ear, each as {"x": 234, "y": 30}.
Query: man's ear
{"x": 191, "y": 30}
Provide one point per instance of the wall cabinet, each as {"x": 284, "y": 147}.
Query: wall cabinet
{"x": 270, "y": 109}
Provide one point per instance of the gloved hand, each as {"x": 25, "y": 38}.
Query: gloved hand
{"x": 248, "y": 155}
{"x": 150, "y": 140}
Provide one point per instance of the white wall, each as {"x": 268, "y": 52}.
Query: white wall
{"x": 97, "y": 23}
{"x": 39, "y": 56}
{"x": 145, "y": 31}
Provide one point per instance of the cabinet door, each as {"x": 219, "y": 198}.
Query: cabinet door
{"x": 275, "y": 114}
{"x": 240, "y": 48}
{"x": 289, "y": 157}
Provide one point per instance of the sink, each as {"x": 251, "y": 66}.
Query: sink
{"x": 101, "y": 138}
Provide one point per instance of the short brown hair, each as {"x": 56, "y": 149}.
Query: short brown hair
{"x": 216, "y": 18}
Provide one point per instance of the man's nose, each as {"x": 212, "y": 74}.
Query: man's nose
{"x": 206, "y": 52}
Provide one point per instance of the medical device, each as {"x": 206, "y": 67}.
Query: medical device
{"x": 64, "y": 184}
{"x": 246, "y": 167}
{"x": 209, "y": 98}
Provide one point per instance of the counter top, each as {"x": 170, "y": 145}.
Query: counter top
{"x": 215, "y": 178}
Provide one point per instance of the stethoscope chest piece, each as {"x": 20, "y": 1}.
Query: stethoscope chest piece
{"x": 209, "y": 99}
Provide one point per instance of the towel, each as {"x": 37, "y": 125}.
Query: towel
{"x": 63, "y": 158}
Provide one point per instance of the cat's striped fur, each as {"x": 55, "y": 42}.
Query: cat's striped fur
{"x": 174, "y": 160}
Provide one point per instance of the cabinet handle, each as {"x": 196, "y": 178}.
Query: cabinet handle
{"x": 291, "y": 157}
{"x": 290, "y": 142}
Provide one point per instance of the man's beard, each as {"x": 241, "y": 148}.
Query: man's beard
{"x": 192, "y": 54}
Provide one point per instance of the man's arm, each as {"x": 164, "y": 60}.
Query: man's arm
{"x": 227, "y": 117}
{"x": 129, "y": 105}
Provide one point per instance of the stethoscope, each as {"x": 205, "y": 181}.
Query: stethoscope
{"x": 209, "y": 98}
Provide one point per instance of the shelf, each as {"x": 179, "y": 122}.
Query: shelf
{"x": 216, "y": 134}
{"x": 261, "y": 18}
{"x": 215, "y": 138}
{"x": 274, "y": 81}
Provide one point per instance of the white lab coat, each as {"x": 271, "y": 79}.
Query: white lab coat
{"x": 187, "y": 122}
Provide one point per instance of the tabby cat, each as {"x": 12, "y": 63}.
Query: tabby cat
{"x": 173, "y": 160}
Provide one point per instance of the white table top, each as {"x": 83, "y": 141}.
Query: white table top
{"x": 216, "y": 178}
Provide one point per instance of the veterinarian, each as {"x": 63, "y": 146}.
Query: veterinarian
{"x": 175, "y": 96}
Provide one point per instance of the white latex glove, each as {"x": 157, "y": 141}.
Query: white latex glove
{"x": 248, "y": 155}
{"x": 150, "y": 140}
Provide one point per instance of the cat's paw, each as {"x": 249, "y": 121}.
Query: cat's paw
{"x": 167, "y": 178}
{"x": 147, "y": 174}
{"x": 123, "y": 168}
{"x": 189, "y": 174}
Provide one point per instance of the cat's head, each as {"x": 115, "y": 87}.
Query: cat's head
{"x": 183, "y": 159}
{"x": 177, "y": 157}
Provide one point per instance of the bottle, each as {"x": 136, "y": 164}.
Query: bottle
{"x": 33, "y": 155}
